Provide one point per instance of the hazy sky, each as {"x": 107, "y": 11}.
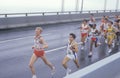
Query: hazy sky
{"x": 8, "y": 6}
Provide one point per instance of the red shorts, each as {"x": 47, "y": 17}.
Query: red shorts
{"x": 39, "y": 53}
{"x": 94, "y": 39}
{"x": 84, "y": 34}
{"x": 105, "y": 31}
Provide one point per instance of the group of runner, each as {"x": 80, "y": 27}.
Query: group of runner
{"x": 108, "y": 31}
{"x": 89, "y": 30}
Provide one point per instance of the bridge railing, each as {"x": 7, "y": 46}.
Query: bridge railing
{"x": 53, "y": 13}
{"x": 14, "y": 20}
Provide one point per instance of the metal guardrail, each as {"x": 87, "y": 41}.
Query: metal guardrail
{"x": 14, "y": 20}
{"x": 53, "y": 13}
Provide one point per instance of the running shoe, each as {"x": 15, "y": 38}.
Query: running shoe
{"x": 110, "y": 50}
{"x": 113, "y": 44}
{"x": 34, "y": 76}
{"x": 99, "y": 44}
{"x": 106, "y": 41}
{"x": 68, "y": 71}
{"x": 90, "y": 54}
{"x": 81, "y": 43}
{"x": 82, "y": 47}
{"x": 53, "y": 71}
{"x": 86, "y": 40}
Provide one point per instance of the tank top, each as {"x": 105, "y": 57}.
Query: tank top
{"x": 37, "y": 44}
{"x": 84, "y": 29}
{"x": 93, "y": 33}
{"x": 110, "y": 30}
{"x": 105, "y": 26}
{"x": 117, "y": 27}
{"x": 69, "y": 51}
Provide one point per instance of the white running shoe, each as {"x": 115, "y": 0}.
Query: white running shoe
{"x": 34, "y": 76}
{"x": 68, "y": 71}
{"x": 53, "y": 71}
{"x": 82, "y": 47}
{"x": 99, "y": 44}
{"x": 90, "y": 54}
{"x": 106, "y": 41}
{"x": 81, "y": 43}
{"x": 109, "y": 51}
{"x": 113, "y": 44}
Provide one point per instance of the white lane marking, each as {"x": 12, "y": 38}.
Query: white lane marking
{"x": 21, "y": 38}
{"x": 3, "y": 41}
{"x": 57, "y": 49}
{"x": 26, "y": 37}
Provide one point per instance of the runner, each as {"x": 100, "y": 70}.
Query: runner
{"x": 39, "y": 46}
{"x": 93, "y": 39}
{"x": 103, "y": 29}
{"x": 72, "y": 50}
{"x": 108, "y": 18}
{"x": 117, "y": 26}
{"x": 110, "y": 35}
{"x": 102, "y": 20}
{"x": 84, "y": 29}
{"x": 116, "y": 18}
{"x": 92, "y": 20}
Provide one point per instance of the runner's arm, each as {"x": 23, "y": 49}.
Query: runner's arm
{"x": 45, "y": 45}
{"x": 75, "y": 48}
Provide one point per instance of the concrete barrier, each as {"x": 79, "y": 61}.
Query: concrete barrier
{"x": 13, "y": 22}
{"x": 106, "y": 68}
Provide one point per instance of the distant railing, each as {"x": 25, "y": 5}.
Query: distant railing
{"x": 53, "y": 13}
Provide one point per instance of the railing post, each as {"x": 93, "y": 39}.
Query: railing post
{"x": 104, "y": 11}
{"x": 26, "y": 14}
{"x": 89, "y": 12}
{"x": 5, "y": 15}
{"x": 77, "y": 5}
{"x": 43, "y": 14}
{"x": 69, "y": 12}
{"x": 80, "y": 12}
{"x": 62, "y": 5}
{"x": 97, "y": 11}
{"x": 117, "y": 5}
{"x": 105, "y": 4}
{"x": 57, "y": 13}
{"x": 110, "y": 11}
{"x": 82, "y": 5}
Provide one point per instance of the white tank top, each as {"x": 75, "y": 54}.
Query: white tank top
{"x": 84, "y": 29}
{"x": 105, "y": 26}
{"x": 37, "y": 44}
{"x": 92, "y": 33}
{"x": 69, "y": 51}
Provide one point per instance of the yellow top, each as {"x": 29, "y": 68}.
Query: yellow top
{"x": 110, "y": 30}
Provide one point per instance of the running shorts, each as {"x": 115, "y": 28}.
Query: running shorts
{"x": 72, "y": 56}
{"x": 84, "y": 34}
{"x": 39, "y": 53}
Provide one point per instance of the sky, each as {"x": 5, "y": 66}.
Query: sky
{"x": 23, "y": 6}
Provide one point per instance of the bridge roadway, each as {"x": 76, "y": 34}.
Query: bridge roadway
{"x": 15, "y": 51}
